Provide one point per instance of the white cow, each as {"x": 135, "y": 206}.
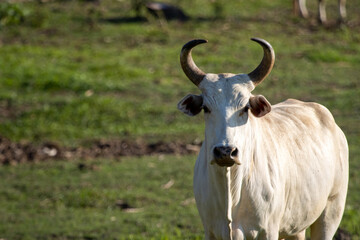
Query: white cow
{"x": 300, "y": 7}
{"x": 264, "y": 172}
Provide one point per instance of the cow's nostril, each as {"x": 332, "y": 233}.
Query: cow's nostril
{"x": 217, "y": 152}
{"x": 234, "y": 153}
{"x": 225, "y": 156}
{"x": 225, "y": 152}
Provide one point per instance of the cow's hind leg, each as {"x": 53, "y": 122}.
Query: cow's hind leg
{"x": 324, "y": 228}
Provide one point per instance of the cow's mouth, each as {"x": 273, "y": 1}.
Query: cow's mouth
{"x": 224, "y": 162}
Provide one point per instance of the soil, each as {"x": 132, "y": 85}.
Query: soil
{"x": 13, "y": 153}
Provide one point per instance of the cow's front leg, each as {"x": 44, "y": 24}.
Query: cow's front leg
{"x": 272, "y": 234}
{"x": 322, "y": 12}
{"x": 209, "y": 235}
{"x": 303, "y": 10}
{"x": 342, "y": 10}
{"x": 299, "y": 236}
{"x": 299, "y": 8}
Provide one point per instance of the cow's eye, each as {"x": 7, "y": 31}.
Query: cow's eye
{"x": 206, "y": 109}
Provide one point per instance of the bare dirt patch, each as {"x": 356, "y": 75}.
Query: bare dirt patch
{"x": 13, "y": 153}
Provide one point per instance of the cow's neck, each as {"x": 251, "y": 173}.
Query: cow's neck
{"x": 225, "y": 183}
{"x": 221, "y": 190}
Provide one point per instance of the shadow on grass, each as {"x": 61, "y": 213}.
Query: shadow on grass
{"x": 124, "y": 20}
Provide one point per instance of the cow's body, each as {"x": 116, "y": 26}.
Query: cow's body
{"x": 291, "y": 168}
{"x": 293, "y": 164}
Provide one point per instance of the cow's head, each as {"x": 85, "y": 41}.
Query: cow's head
{"x": 227, "y": 103}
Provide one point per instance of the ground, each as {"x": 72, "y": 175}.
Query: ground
{"x": 88, "y": 90}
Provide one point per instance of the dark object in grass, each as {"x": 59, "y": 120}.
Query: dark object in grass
{"x": 122, "y": 204}
{"x": 126, "y": 207}
{"x": 167, "y": 11}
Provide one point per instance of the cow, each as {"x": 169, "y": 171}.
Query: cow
{"x": 264, "y": 171}
{"x": 299, "y": 7}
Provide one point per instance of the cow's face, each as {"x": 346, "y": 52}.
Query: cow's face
{"x": 227, "y": 102}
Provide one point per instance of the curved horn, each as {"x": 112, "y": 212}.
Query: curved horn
{"x": 267, "y": 63}
{"x": 187, "y": 63}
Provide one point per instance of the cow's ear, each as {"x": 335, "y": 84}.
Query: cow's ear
{"x": 259, "y": 105}
{"x": 191, "y": 104}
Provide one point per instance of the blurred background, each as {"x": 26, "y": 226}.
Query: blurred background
{"x": 91, "y": 143}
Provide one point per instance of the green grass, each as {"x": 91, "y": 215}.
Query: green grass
{"x": 58, "y": 200}
{"x": 67, "y": 76}
{"x": 128, "y": 73}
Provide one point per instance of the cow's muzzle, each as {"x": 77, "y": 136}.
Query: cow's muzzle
{"x": 225, "y": 156}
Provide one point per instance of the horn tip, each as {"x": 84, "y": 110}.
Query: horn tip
{"x": 193, "y": 43}
{"x": 256, "y": 39}
{"x": 267, "y": 63}
{"x": 261, "y": 42}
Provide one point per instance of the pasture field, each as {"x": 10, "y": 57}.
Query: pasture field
{"x": 73, "y": 72}
{"x": 135, "y": 198}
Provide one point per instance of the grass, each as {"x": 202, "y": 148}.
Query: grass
{"x": 61, "y": 200}
{"x": 126, "y": 72}
{"x": 80, "y": 200}
{"x": 67, "y": 75}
